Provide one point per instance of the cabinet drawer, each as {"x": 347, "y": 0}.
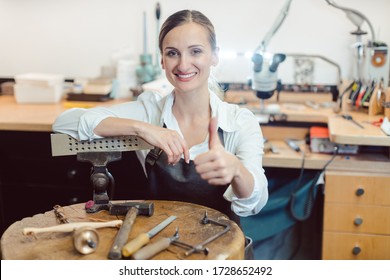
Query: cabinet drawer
{"x": 342, "y": 246}
{"x": 356, "y": 218}
{"x": 357, "y": 188}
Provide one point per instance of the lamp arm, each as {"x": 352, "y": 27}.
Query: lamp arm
{"x": 359, "y": 14}
{"x": 275, "y": 27}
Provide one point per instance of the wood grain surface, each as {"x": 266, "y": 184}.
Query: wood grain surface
{"x": 59, "y": 246}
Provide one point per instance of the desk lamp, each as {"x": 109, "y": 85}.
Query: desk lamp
{"x": 357, "y": 19}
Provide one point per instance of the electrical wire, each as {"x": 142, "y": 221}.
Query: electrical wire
{"x": 309, "y": 203}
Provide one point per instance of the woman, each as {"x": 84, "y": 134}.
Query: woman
{"x": 207, "y": 151}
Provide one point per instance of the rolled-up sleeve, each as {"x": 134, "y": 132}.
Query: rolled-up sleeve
{"x": 249, "y": 149}
{"x": 81, "y": 123}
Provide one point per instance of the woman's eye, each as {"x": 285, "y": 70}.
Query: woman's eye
{"x": 196, "y": 51}
{"x": 172, "y": 53}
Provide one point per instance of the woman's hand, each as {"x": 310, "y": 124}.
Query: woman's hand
{"x": 217, "y": 166}
{"x": 168, "y": 140}
{"x": 220, "y": 167}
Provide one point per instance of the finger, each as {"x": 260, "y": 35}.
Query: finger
{"x": 175, "y": 153}
{"x": 216, "y": 177}
{"x": 187, "y": 155}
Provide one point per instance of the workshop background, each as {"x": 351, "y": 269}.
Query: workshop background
{"x": 96, "y": 38}
{"x": 85, "y": 38}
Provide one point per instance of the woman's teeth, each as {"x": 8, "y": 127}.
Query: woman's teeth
{"x": 186, "y": 76}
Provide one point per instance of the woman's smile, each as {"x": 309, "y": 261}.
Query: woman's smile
{"x": 185, "y": 77}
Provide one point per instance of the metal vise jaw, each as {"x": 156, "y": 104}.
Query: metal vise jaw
{"x": 99, "y": 153}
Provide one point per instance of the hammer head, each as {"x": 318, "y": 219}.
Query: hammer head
{"x": 144, "y": 208}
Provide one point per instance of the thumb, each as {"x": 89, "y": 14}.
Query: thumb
{"x": 213, "y": 133}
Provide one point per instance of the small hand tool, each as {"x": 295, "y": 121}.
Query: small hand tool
{"x": 154, "y": 248}
{"x": 144, "y": 238}
{"x": 85, "y": 240}
{"x": 349, "y": 118}
{"x": 123, "y": 234}
{"x": 201, "y": 246}
{"x": 72, "y": 226}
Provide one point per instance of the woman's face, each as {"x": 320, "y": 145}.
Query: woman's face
{"x": 187, "y": 57}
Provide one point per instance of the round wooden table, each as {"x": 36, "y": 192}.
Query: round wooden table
{"x": 59, "y": 246}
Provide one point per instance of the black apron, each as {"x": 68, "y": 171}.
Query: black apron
{"x": 181, "y": 182}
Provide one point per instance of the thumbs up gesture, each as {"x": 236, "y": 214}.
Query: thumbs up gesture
{"x": 217, "y": 166}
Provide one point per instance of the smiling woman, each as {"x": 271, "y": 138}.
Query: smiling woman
{"x": 207, "y": 151}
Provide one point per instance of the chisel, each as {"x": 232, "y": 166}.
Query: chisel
{"x": 144, "y": 238}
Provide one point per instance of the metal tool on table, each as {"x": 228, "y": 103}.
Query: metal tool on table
{"x": 201, "y": 246}
{"x": 123, "y": 234}
{"x": 350, "y": 118}
{"x": 85, "y": 239}
{"x": 134, "y": 245}
{"x": 99, "y": 153}
{"x": 154, "y": 248}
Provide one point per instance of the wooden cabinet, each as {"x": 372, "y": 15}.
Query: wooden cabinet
{"x": 356, "y": 216}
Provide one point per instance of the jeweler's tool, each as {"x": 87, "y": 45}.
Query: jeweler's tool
{"x": 123, "y": 234}
{"x": 100, "y": 153}
{"x": 293, "y": 145}
{"x": 154, "y": 248}
{"x": 144, "y": 238}
{"x": 201, "y": 246}
{"x": 85, "y": 240}
{"x": 349, "y": 118}
{"x": 71, "y": 227}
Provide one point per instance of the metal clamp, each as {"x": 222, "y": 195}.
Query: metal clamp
{"x": 201, "y": 246}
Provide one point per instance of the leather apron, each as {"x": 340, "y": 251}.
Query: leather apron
{"x": 181, "y": 182}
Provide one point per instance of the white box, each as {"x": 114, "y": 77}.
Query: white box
{"x": 38, "y": 88}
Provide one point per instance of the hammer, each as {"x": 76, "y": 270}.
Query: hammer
{"x": 133, "y": 209}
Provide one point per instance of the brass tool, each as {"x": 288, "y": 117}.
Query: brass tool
{"x": 144, "y": 238}
{"x": 154, "y": 248}
{"x": 85, "y": 240}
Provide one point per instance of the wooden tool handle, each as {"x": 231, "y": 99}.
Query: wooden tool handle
{"x": 135, "y": 244}
{"x": 72, "y": 226}
{"x": 152, "y": 249}
{"x": 123, "y": 234}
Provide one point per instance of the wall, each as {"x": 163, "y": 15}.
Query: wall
{"x": 77, "y": 38}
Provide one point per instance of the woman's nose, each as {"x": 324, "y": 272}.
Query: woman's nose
{"x": 184, "y": 63}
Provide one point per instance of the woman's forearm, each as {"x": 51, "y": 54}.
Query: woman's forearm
{"x": 243, "y": 182}
{"x": 112, "y": 126}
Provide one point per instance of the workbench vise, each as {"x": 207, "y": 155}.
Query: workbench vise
{"x": 99, "y": 153}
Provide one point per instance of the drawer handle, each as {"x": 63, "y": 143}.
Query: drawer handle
{"x": 356, "y": 250}
{"x": 359, "y": 191}
{"x": 358, "y": 221}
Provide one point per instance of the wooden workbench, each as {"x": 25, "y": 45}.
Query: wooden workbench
{"x": 59, "y": 245}
{"x": 37, "y": 117}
